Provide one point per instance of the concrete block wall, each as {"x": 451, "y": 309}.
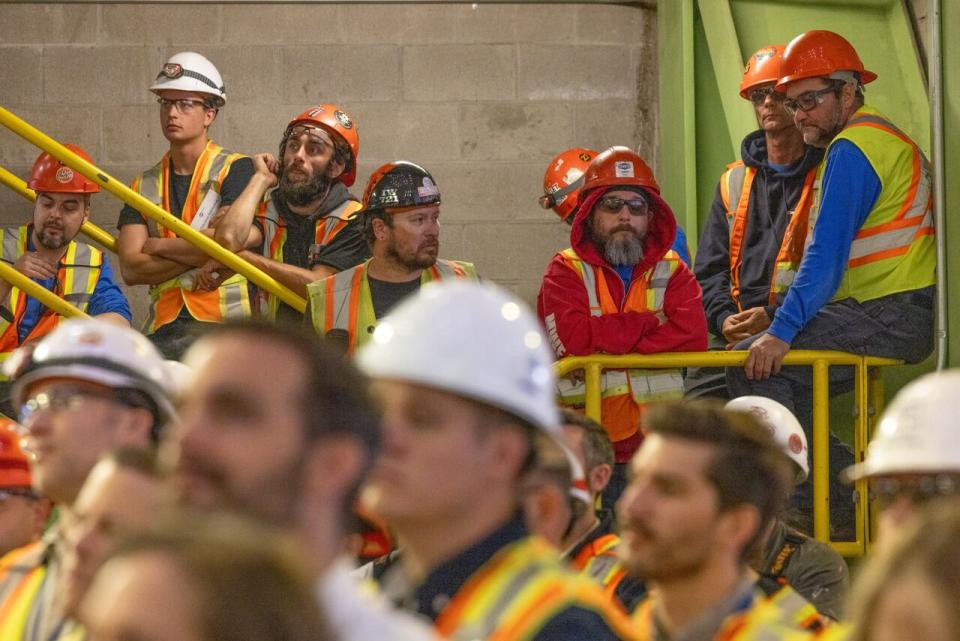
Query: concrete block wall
{"x": 482, "y": 95}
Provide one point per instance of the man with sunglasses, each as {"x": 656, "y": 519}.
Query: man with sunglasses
{"x": 196, "y": 181}
{"x": 87, "y": 388}
{"x": 620, "y": 289}
{"x": 753, "y": 239}
{"x": 866, "y": 280}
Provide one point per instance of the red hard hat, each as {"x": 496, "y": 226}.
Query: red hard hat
{"x": 763, "y": 67}
{"x": 618, "y": 166}
{"x": 51, "y": 175}
{"x": 14, "y": 467}
{"x": 564, "y": 179}
{"x": 337, "y": 123}
{"x": 816, "y": 54}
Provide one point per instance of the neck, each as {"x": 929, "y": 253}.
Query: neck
{"x": 186, "y": 154}
{"x": 581, "y": 528}
{"x": 310, "y": 207}
{"x": 785, "y": 147}
{"x": 322, "y": 539}
{"x": 681, "y": 601}
{"x": 385, "y": 268}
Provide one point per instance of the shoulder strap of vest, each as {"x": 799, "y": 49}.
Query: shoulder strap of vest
{"x": 587, "y": 275}
{"x": 731, "y": 185}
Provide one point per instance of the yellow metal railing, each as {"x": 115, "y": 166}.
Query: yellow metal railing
{"x": 868, "y": 394}
{"x": 150, "y": 210}
{"x": 92, "y": 231}
{"x": 38, "y": 291}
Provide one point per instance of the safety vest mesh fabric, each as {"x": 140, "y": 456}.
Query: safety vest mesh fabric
{"x": 21, "y": 577}
{"x": 599, "y": 562}
{"x": 231, "y": 299}
{"x": 517, "y": 592}
{"x": 736, "y": 185}
{"x": 894, "y": 250}
{"x": 344, "y": 302}
{"x": 77, "y": 277}
{"x": 646, "y": 294}
{"x": 275, "y": 236}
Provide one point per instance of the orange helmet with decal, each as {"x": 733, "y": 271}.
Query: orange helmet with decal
{"x": 338, "y": 124}
{"x": 763, "y": 67}
{"x": 815, "y": 54}
{"x": 14, "y": 467}
{"x": 51, "y": 175}
{"x": 619, "y": 166}
{"x": 564, "y": 179}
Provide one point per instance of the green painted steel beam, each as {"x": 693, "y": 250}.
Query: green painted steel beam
{"x": 950, "y": 66}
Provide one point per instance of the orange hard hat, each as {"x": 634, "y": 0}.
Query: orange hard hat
{"x": 564, "y": 179}
{"x": 815, "y": 54}
{"x": 337, "y": 123}
{"x": 51, "y": 175}
{"x": 618, "y": 166}
{"x": 763, "y": 67}
{"x": 14, "y": 467}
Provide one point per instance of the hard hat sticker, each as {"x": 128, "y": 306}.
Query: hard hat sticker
{"x": 624, "y": 169}
{"x": 428, "y": 189}
{"x": 343, "y": 119}
{"x": 64, "y": 175}
{"x": 172, "y": 70}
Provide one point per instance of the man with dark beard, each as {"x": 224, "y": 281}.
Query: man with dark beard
{"x": 401, "y": 222}
{"x": 296, "y": 217}
{"x": 620, "y": 289}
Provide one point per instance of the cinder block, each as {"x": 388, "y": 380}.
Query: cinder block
{"x": 459, "y": 72}
{"x": 574, "y": 72}
{"x": 491, "y": 191}
{"x": 77, "y": 124}
{"x": 519, "y": 251}
{"x": 14, "y": 208}
{"x": 252, "y": 74}
{"x": 92, "y": 75}
{"x": 612, "y": 23}
{"x": 362, "y": 24}
{"x": 603, "y": 123}
{"x": 253, "y": 129}
{"x": 162, "y": 24}
{"x": 105, "y": 207}
{"x": 132, "y": 134}
{"x": 420, "y": 132}
{"x": 509, "y": 131}
{"x": 451, "y": 240}
{"x": 326, "y": 73}
{"x": 486, "y": 23}
{"x": 264, "y": 24}
{"x": 21, "y": 75}
{"x": 545, "y": 23}
{"x": 40, "y": 23}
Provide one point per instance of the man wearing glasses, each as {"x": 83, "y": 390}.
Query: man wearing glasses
{"x": 866, "y": 281}
{"x": 753, "y": 239}
{"x": 196, "y": 181}
{"x": 620, "y": 289}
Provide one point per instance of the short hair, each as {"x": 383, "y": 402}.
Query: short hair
{"x": 597, "y": 448}
{"x": 747, "y": 468}
{"x": 368, "y": 217}
{"x": 343, "y": 154}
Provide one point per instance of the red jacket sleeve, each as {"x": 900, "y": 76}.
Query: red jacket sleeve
{"x": 564, "y": 310}
{"x": 686, "y": 326}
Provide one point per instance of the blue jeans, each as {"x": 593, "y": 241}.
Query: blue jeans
{"x": 897, "y": 326}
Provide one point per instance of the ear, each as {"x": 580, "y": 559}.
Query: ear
{"x": 379, "y": 228}
{"x": 209, "y": 115}
{"x": 599, "y": 477}
{"x": 848, "y": 94}
{"x": 738, "y": 525}
{"x": 333, "y": 467}
{"x": 134, "y": 427}
{"x": 335, "y": 168}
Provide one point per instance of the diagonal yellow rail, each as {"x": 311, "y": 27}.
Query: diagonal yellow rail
{"x": 147, "y": 208}
{"x": 868, "y": 396}
{"x": 92, "y": 231}
{"x": 38, "y": 291}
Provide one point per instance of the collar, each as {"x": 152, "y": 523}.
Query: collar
{"x": 706, "y": 626}
{"x": 336, "y": 195}
{"x": 602, "y": 527}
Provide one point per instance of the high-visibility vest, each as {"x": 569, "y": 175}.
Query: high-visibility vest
{"x": 22, "y": 574}
{"x": 231, "y": 299}
{"x": 344, "y": 302}
{"x": 275, "y": 235}
{"x": 894, "y": 250}
{"x": 77, "y": 276}
{"x": 598, "y": 561}
{"x": 517, "y": 592}
{"x": 625, "y": 392}
{"x": 735, "y": 187}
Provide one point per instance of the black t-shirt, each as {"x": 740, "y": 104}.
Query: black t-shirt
{"x": 386, "y": 295}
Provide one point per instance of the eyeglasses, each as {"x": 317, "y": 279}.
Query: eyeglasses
{"x": 759, "y": 96}
{"x": 59, "y": 400}
{"x": 918, "y": 490}
{"x": 613, "y": 204}
{"x": 183, "y": 105}
{"x": 808, "y": 100}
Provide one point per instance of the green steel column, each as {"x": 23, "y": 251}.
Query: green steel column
{"x": 950, "y": 65}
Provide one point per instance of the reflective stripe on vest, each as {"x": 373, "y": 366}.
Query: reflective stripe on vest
{"x": 646, "y": 293}
{"x": 333, "y": 223}
{"x": 599, "y": 562}
{"x": 894, "y": 250}
{"x": 517, "y": 592}
{"x": 21, "y": 577}
{"x": 231, "y": 299}
{"x": 344, "y": 302}
{"x": 736, "y": 186}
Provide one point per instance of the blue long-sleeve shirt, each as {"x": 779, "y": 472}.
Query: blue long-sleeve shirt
{"x": 850, "y": 188}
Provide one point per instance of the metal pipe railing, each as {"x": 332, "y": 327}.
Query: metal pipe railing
{"x": 150, "y": 210}
{"x": 38, "y": 291}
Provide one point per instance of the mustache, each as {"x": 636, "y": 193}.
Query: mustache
{"x": 639, "y": 527}
{"x": 193, "y": 465}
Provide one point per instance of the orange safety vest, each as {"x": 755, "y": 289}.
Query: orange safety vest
{"x": 735, "y": 187}
{"x": 22, "y": 574}
{"x": 343, "y": 301}
{"x": 598, "y": 560}
{"x": 517, "y": 592}
{"x": 77, "y": 277}
{"x": 231, "y": 299}
{"x": 625, "y": 392}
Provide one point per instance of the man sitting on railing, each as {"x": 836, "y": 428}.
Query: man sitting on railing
{"x": 620, "y": 289}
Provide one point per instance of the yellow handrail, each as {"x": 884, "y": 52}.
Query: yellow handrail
{"x": 144, "y": 206}
{"x": 38, "y": 291}
{"x": 92, "y": 231}
{"x": 820, "y": 360}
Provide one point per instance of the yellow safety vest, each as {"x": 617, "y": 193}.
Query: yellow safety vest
{"x": 22, "y": 574}
{"x": 231, "y": 299}
{"x": 894, "y": 250}
{"x": 625, "y": 392}
{"x": 343, "y": 301}
{"x": 599, "y": 562}
{"x": 517, "y": 592}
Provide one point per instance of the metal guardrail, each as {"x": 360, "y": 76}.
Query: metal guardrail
{"x": 150, "y": 210}
{"x": 38, "y": 291}
{"x": 868, "y": 395}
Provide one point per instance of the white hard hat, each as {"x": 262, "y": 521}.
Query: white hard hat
{"x": 473, "y": 339}
{"x": 783, "y": 425}
{"x": 96, "y": 351}
{"x": 918, "y": 431}
{"x": 179, "y": 374}
{"x": 189, "y": 71}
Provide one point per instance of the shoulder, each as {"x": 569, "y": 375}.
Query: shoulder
{"x": 576, "y": 623}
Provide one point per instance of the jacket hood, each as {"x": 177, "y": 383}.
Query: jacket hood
{"x": 660, "y": 233}
{"x": 753, "y": 151}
